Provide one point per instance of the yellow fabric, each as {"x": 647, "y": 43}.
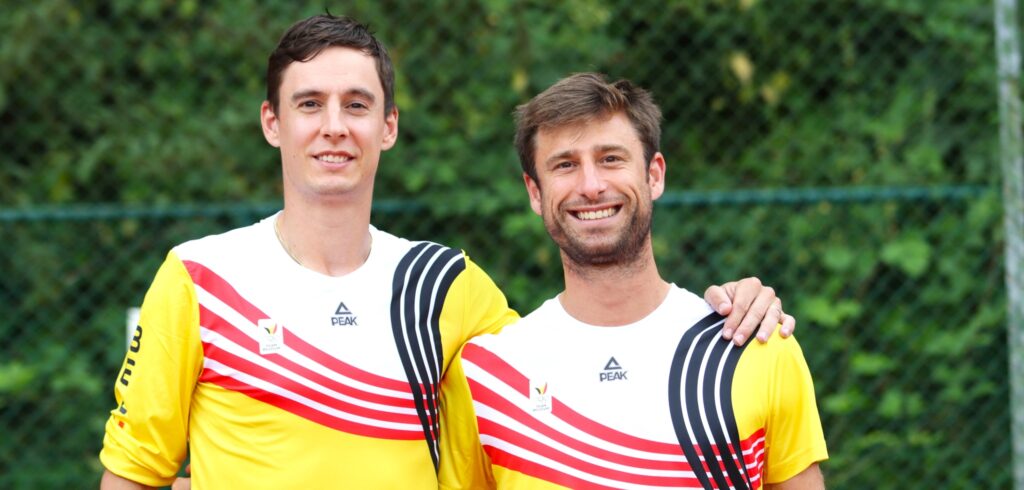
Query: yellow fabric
{"x": 474, "y": 306}
{"x": 773, "y": 389}
{"x": 239, "y": 442}
{"x": 464, "y": 464}
{"x": 147, "y": 443}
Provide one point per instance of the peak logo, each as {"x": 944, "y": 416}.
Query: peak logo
{"x": 613, "y": 371}
{"x": 343, "y": 316}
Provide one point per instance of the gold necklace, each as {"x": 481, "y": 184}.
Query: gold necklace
{"x": 277, "y": 231}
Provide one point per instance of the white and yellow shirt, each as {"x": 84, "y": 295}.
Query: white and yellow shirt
{"x": 274, "y": 376}
{"x": 551, "y": 402}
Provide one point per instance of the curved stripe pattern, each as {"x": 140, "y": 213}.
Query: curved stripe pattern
{"x": 700, "y": 400}
{"x": 420, "y": 285}
{"x": 301, "y": 379}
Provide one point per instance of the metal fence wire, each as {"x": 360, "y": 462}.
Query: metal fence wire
{"x": 844, "y": 151}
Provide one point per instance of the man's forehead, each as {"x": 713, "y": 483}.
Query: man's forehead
{"x": 332, "y": 68}
{"x": 591, "y": 133}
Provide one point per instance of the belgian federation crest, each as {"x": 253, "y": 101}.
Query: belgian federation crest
{"x": 270, "y": 336}
{"x": 540, "y": 396}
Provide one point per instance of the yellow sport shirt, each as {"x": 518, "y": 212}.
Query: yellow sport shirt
{"x": 274, "y": 376}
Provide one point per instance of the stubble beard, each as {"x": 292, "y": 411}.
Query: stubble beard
{"x": 623, "y": 252}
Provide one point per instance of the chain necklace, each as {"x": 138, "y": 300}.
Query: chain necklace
{"x": 277, "y": 231}
{"x": 287, "y": 250}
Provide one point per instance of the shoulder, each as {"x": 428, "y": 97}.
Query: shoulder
{"x": 524, "y": 332}
{"x": 682, "y": 301}
{"x": 415, "y": 253}
{"x": 776, "y": 348}
{"x": 229, "y": 243}
{"x": 779, "y": 362}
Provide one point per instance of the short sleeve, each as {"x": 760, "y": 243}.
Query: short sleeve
{"x": 146, "y": 434}
{"x": 474, "y": 306}
{"x": 794, "y": 437}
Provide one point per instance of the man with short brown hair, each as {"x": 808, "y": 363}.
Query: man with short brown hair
{"x": 623, "y": 380}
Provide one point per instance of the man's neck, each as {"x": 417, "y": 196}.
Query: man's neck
{"x": 332, "y": 238}
{"x": 613, "y": 295}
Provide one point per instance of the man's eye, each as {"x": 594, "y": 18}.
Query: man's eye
{"x": 358, "y": 106}
{"x": 308, "y": 104}
{"x": 565, "y": 164}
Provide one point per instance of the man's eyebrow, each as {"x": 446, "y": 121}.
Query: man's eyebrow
{"x": 598, "y": 148}
{"x": 361, "y": 92}
{"x": 305, "y": 94}
{"x": 559, "y": 156}
{"x": 317, "y": 93}
{"x": 611, "y": 148}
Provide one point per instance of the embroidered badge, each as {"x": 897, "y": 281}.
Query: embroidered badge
{"x": 270, "y": 336}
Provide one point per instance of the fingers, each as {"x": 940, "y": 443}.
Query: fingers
{"x": 754, "y": 315}
{"x": 183, "y": 483}
{"x": 748, "y": 305}
{"x": 719, "y": 299}
{"x": 788, "y": 325}
{"x": 742, "y": 294}
{"x": 772, "y": 318}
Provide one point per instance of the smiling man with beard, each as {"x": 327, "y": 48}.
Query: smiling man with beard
{"x": 623, "y": 380}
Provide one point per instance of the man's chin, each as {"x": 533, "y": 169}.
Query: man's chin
{"x": 596, "y": 256}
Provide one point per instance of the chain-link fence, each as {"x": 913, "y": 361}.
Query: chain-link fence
{"x": 870, "y": 127}
{"x": 898, "y": 293}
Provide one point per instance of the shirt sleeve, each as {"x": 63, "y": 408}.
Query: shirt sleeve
{"x": 464, "y": 464}
{"x": 794, "y": 437}
{"x": 474, "y": 306}
{"x": 146, "y": 435}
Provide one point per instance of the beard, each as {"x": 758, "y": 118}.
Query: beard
{"x": 622, "y": 249}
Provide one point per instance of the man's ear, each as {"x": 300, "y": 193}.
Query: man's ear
{"x": 656, "y": 175}
{"x": 533, "y": 189}
{"x": 269, "y": 122}
{"x": 391, "y": 129}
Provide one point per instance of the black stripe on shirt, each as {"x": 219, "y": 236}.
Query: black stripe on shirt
{"x": 701, "y": 404}
{"x": 421, "y": 283}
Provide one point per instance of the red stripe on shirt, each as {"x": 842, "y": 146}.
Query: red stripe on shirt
{"x": 226, "y": 293}
{"x": 534, "y": 446}
{"x": 530, "y": 468}
{"x": 308, "y": 413}
{"x": 216, "y": 323}
{"x": 486, "y": 396}
{"x": 259, "y": 372}
{"x": 503, "y": 371}
{"x": 514, "y": 379}
{"x": 537, "y": 470}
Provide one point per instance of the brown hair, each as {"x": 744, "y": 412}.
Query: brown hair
{"x": 580, "y": 98}
{"x": 307, "y": 38}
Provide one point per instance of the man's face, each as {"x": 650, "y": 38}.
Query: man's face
{"x": 330, "y": 125}
{"x": 595, "y": 191}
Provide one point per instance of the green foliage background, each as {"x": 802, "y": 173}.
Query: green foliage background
{"x": 845, "y": 151}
